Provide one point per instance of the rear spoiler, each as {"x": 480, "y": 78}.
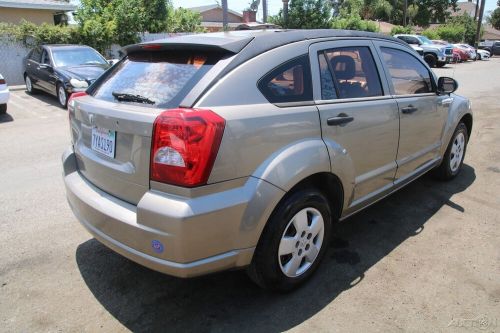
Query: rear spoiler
{"x": 192, "y": 43}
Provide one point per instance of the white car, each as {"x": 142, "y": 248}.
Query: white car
{"x": 4, "y": 95}
{"x": 482, "y": 54}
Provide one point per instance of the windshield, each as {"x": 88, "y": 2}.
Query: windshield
{"x": 424, "y": 40}
{"x": 78, "y": 56}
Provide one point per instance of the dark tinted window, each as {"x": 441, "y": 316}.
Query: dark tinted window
{"x": 409, "y": 76}
{"x": 163, "y": 78}
{"x": 36, "y": 55}
{"x": 45, "y": 58}
{"x": 353, "y": 71}
{"x": 289, "y": 82}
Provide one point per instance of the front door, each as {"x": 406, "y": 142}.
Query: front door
{"x": 421, "y": 121}
{"x": 357, "y": 113}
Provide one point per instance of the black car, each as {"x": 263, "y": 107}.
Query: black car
{"x": 62, "y": 69}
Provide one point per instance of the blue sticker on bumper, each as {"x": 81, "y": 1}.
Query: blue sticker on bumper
{"x": 157, "y": 246}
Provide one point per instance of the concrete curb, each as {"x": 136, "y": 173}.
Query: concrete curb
{"x": 17, "y": 88}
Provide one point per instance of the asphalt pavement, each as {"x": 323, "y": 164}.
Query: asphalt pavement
{"x": 426, "y": 259}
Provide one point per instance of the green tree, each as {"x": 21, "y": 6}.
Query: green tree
{"x": 494, "y": 18}
{"x": 433, "y": 11}
{"x": 349, "y": 17}
{"x": 120, "y": 21}
{"x": 184, "y": 20}
{"x": 305, "y": 14}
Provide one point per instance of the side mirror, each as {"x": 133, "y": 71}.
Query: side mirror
{"x": 446, "y": 85}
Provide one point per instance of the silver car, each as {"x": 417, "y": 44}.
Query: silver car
{"x": 203, "y": 153}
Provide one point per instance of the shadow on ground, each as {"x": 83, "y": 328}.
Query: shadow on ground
{"x": 5, "y": 118}
{"x": 43, "y": 97}
{"x": 143, "y": 300}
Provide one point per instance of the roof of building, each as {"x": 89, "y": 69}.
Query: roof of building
{"x": 38, "y": 4}
{"x": 202, "y": 9}
{"x": 491, "y": 33}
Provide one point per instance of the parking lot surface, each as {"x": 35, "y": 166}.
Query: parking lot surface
{"x": 424, "y": 259}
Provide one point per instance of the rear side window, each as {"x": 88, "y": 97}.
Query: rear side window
{"x": 36, "y": 54}
{"x": 353, "y": 72}
{"x": 289, "y": 82}
{"x": 409, "y": 76}
{"x": 158, "y": 79}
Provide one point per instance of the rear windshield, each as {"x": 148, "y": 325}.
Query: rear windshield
{"x": 155, "y": 79}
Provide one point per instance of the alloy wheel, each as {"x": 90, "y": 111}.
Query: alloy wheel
{"x": 457, "y": 152}
{"x": 301, "y": 242}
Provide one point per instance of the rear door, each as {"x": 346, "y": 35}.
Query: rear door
{"x": 33, "y": 64}
{"x": 357, "y": 112}
{"x": 421, "y": 120}
{"x": 112, "y": 128}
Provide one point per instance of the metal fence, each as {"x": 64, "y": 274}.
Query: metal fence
{"x": 11, "y": 60}
{"x": 12, "y": 54}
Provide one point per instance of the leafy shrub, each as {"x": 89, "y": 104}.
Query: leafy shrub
{"x": 431, "y": 34}
{"x": 399, "y": 29}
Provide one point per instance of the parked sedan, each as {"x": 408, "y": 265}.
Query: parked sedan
{"x": 62, "y": 69}
{"x": 197, "y": 154}
{"x": 462, "y": 54}
{"x": 471, "y": 52}
{"x": 4, "y": 95}
{"x": 482, "y": 54}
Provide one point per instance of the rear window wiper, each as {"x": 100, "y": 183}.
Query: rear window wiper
{"x": 132, "y": 98}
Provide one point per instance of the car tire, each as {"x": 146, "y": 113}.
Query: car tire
{"x": 440, "y": 64}
{"x": 29, "y": 85}
{"x": 62, "y": 96}
{"x": 478, "y": 56}
{"x": 454, "y": 156}
{"x": 3, "y": 108}
{"x": 431, "y": 60}
{"x": 293, "y": 242}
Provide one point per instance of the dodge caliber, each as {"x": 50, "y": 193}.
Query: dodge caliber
{"x": 203, "y": 153}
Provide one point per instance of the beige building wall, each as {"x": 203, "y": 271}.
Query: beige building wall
{"x": 37, "y": 16}
{"x": 215, "y": 15}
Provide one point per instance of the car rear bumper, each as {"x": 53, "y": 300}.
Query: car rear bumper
{"x": 173, "y": 235}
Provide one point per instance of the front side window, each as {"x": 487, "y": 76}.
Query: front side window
{"x": 409, "y": 76}
{"x": 289, "y": 82}
{"x": 353, "y": 72}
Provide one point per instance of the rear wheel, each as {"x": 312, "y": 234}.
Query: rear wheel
{"x": 430, "y": 59}
{"x": 454, "y": 155}
{"x": 62, "y": 95}
{"x": 3, "y": 108}
{"x": 293, "y": 242}
{"x": 29, "y": 85}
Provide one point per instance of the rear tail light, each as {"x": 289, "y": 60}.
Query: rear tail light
{"x": 71, "y": 101}
{"x": 185, "y": 144}
{"x": 2, "y": 81}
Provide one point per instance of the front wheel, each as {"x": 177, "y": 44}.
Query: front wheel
{"x": 62, "y": 96}
{"x": 455, "y": 153}
{"x": 3, "y": 108}
{"x": 431, "y": 60}
{"x": 478, "y": 56}
{"x": 29, "y": 85}
{"x": 440, "y": 64}
{"x": 293, "y": 242}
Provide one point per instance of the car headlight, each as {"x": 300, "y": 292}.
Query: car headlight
{"x": 78, "y": 83}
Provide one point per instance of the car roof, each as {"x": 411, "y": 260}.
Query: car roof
{"x": 261, "y": 40}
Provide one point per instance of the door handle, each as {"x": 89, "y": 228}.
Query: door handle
{"x": 340, "y": 120}
{"x": 409, "y": 109}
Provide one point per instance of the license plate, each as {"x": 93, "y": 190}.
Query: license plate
{"x": 104, "y": 141}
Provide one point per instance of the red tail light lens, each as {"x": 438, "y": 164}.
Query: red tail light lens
{"x": 2, "y": 81}
{"x": 72, "y": 97}
{"x": 185, "y": 144}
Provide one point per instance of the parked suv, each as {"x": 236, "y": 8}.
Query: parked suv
{"x": 434, "y": 54}
{"x": 209, "y": 152}
{"x": 493, "y": 47}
